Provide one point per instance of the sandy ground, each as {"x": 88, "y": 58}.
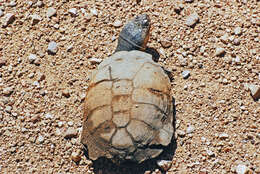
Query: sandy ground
{"x": 42, "y": 94}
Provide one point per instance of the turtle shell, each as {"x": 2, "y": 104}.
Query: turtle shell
{"x": 128, "y": 112}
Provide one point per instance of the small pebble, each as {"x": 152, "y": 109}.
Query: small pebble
{"x": 117, "y": 23}
{"x": 95, "y": 61}
{"x": 48, "y": 116}
{"x": 35, "y": 19}
{"x": 75, "y": 156}
{"x": 8, "y": 19}
{"x": 39, "y": 4}
{"x": 69, "y": 48}
{"x": 70, "y": 133}
{"x": 166, "y": 43}
{"x": 164, "y": 164}
{"x": 182, "y": 61}
{"x": 40, "y": 139}
{"x": 12, "y": 4}
{"x": 242, "y": 169}
{"x": 1, "y": 13}
{"x": 181, "y": 133}
{"x": 8, "y": 109}
{"x": 192, "y": 19}
{"x": 190, "y": 129}
{"x": 220, "y": 51}
{"x": 56, "y": 26}
{"x": 73, "y": 12}
{"x": 255, "y": 91}
{"x": 8, "y": 91}
{"x": 238, "y": 31}
{"x": 2, "y": 61}
{"x": 32, "y": 58}
{"x": 51, "y": 12}
{"x": 29, "y": 3}
{"x": 236, "y": 41}
{"x": 70, "y": 123}
{"x": 66, "y": 93}
{"x": 224, "y": 38}
{"x": 185, "y": 74}
{"x": 94, "y": 12}
{"x": 210, "y": 153}
{"x": 189, "y": 1}
{"x": 223, "y": 136}
{"x": 52, "y": 47}
{"x": 60, "y": 124}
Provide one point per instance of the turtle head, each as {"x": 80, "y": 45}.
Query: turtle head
{"x": 135, "y": 34}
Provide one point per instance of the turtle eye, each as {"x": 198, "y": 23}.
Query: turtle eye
{"x": 146, "y": 23}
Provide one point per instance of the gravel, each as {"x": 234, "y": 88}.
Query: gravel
{"x": 32, "y": 58}
{"x": 192, "y": 19}
{"x": 52, "y": 47}
{"x": 1, "y": 13}
{"x": 238, "y": 31}
{"x": 209, "y": 103}
{"x": 8, "y": 19}
{"x": 117, "y": 23}
{"x": 185, "y": 74}
{"x": 242, "y": 169}
{"x": 255, "y": 91}
{"x": 220, "y": 51}
{"x": 73, "y": 12}
{"x": 164, "y": 164}
{"x": 35, "y": 19}
{"x": 51, "y": 12}
{"x": 70, "y": 133}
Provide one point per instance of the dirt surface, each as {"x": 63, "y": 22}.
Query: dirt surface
{"x": 213, "y": 44}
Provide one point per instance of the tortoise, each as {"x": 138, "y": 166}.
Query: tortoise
{"x": 128, "y": 111}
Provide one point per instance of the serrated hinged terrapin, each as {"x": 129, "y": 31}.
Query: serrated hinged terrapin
{"x": 128, "y": 112}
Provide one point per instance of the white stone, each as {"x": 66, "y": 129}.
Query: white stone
{"x": 220, "y": 51}
{"x": 238, "y": 31}
{"x": 190, "y": 129}
{"x": 40, "y": 139}
{"x": 48, "y": 116}
{"x": 164, "y": 164}
{"x": 241, "y": 169}
{"x": 52, "y": 47}
{"x": 8, "y": 18}
{"x": 1, "y": 13}
{"x": 95, "y": 60}
{"x": 32, "y": 58}
{"x": 8, "y": 90}
{"x": 192, "y": 19}
{"x": 255, "y": 91}
{"x": 185, "y": 74}
{"x": 56, "y": 26}
{"x": 69, "y": 48}
{"x": 73, "y": 12}
{"x": 210, "y": 153}
{"x": 224, "y": 38}
{"x": 60, "y": 124}
{"x": 223, "y": 136}
{"x": 94, "y": 12}
{"x": 12, "y": 4}
{"x": 117, "y": 23}
{"x": 39, "y": 4}
{"x": 83, "y": 11}
{"x": 51, "y": 12}
{"x": 70, "y": 123}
